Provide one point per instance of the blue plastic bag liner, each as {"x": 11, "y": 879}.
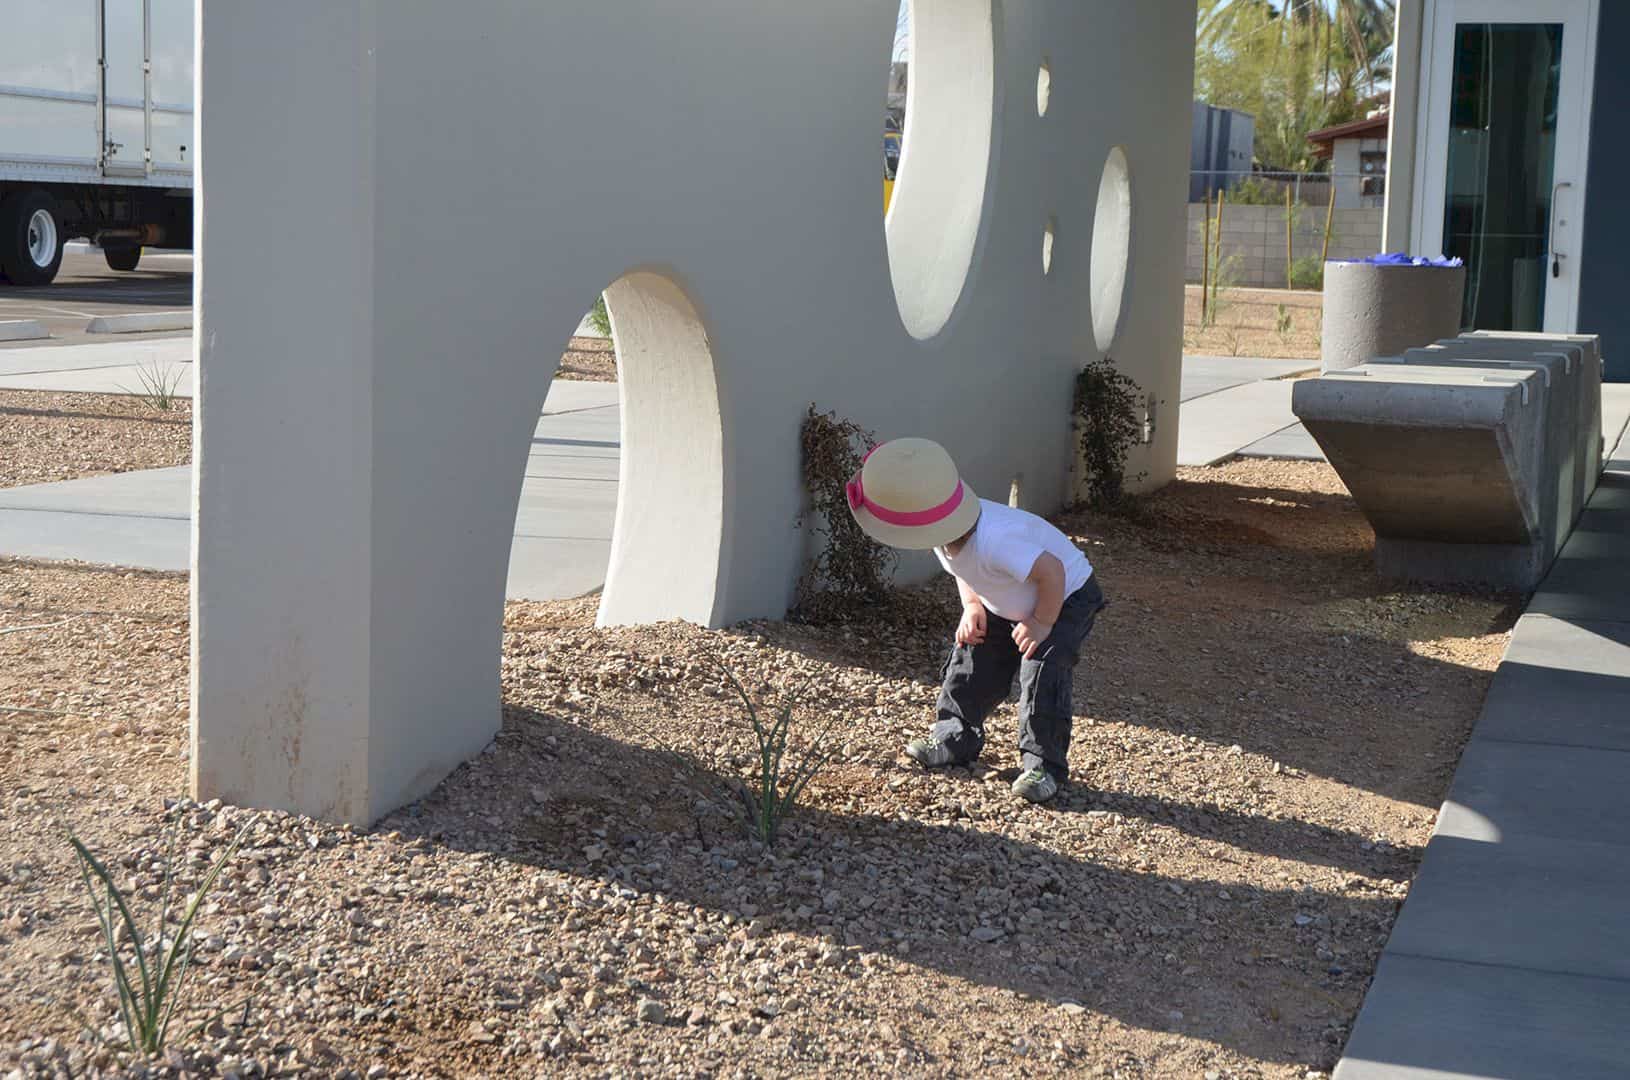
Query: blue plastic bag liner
{"x": 1398, "y": 258}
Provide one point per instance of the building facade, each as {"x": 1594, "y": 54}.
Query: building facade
{"x": 1503, "y": 151}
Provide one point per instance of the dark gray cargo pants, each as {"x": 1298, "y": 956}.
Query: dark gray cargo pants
{"x": 978, "y": 678}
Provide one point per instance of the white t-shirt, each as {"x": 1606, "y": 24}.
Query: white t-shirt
{"x": 1002, "y": 551}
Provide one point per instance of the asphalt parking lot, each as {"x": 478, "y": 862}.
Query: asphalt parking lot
{"x": 86, "y": 288}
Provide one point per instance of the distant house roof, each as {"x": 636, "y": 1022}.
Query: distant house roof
{"x": 1324, "y": 142}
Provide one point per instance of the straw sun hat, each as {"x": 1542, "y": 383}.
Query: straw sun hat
{"x": 907, "y": 495}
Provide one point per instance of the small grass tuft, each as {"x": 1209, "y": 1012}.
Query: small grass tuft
{"x": 779, "y": 784}
{"x": 149, "y": 996}
{"x": 158, "y": 384}
{"x": 1283, "y": 322}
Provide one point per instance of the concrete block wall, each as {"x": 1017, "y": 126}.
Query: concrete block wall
{"x": 472, "y": 198}
{"x": 1255, "y": 235}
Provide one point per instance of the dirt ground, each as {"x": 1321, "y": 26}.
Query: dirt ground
{"x": 1264, "y": 733}
{"x": 1277, "y": 323}
{"x": 49, "y": 436}
{"x": 588, "y": 360}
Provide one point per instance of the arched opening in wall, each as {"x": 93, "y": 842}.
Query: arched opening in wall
{"x": 624, "y": 485}
{"x": 943, "y": 80}
{"x": 1111, "y": 249}
{"x": 1044, "y": 86}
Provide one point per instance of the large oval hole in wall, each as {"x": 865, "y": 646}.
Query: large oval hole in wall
{"x": 946, "y": 58}
{"x": 627, "y": 455}
{"x": 1111, "y": 249}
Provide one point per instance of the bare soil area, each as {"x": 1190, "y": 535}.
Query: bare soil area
{"x": 1264, "y": 733}
{"x": 48, "y": 436}
{"x": 1274, "y": 323}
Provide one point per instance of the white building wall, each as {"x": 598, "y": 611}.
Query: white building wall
{"x": 468, "y": 198}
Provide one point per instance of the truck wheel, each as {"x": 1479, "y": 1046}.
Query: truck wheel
{"x": 122, "y": 258}
{"x": 30, "y": 238}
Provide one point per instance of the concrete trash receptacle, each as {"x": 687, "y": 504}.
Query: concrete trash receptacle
{"x": 1377, "y": 308}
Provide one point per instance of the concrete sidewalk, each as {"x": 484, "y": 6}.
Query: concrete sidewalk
{"x": 1511, "y": 957}
{"x": 112, "y": 368}
{"x": 562, "y": 528}
{"x": 1232, "y": 403}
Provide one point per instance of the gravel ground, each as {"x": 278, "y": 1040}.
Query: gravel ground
{"x": 1263, "y": 736}
{"x": 48, "y": 436}
{"x": 588, "y": 360}
{"x": 1249, "y": 324}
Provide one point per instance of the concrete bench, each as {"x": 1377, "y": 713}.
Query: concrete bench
{"x": 1511, "y": 344}
{"x": 1561, "y": 502}
{"x": 1472, "y": 458}
{"x": 1444, "y": 462}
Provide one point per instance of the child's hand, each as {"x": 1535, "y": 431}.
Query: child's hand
{"x": 971, "y": 630}
{"x": 1029, "y": 635}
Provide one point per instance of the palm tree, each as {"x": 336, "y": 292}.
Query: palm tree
{"x": 1266, "y": 58}
{"x": 1366, "y": 27}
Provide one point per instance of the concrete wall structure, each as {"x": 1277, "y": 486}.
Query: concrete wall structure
{"x": 1254, "y": 236}
{"x": 469, "y": 199}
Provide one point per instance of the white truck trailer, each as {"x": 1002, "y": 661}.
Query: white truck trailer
{"x": 96, "y": 130}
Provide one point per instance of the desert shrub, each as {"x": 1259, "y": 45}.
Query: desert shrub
{"x": 1107, "y": 424}
{"x": 1254, "y": 191}
{"x": 848, "y": 568}
{"x": 598, "y": 316}
{"x": 1307, "y": 272}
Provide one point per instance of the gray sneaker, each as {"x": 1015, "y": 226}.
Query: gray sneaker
{"x": 1036, "y": 785}
{"x": 930, "y": 753}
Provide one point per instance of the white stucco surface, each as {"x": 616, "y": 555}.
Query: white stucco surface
{"x": 351, "y": 543}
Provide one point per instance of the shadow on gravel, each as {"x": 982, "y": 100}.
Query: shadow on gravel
{"x": 962, "y": 900}
{"x": 1244, "y": 616}
{"x": 147, "y": 416}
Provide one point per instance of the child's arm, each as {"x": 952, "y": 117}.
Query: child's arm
{"x": 1048, "y": 576}
{"x": 971, "y": 629}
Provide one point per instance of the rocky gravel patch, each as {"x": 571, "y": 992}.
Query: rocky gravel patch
{"x": 1264, "y": 733}
{"x": 48, "y": 436}
{"x": 588, "y": 360}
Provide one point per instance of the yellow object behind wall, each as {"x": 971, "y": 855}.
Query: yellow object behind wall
{"x": 888, "y": 193}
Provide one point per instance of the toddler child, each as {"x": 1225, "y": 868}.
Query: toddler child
{"x": 1029, "y": 598}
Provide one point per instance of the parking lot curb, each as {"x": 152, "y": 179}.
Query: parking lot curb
{"x": 22, "y": 330}
{"x": 141, "y": 322}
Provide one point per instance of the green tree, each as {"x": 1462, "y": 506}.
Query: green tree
{"x": 1295, "y": 68}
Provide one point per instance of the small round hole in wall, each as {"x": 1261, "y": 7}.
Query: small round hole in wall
{"x": 1044, "y": 87}
{"x": 1047, "y": 234}
{"x": 1111, "y": 248}
{"x": 937, "y": 202}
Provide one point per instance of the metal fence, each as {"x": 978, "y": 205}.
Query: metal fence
{"x": 1352, "y": 190}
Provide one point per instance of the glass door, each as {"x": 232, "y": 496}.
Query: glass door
{"x": 1505, "y": 155}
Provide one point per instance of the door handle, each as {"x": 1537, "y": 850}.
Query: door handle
{"x": 1556, "y": 256}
